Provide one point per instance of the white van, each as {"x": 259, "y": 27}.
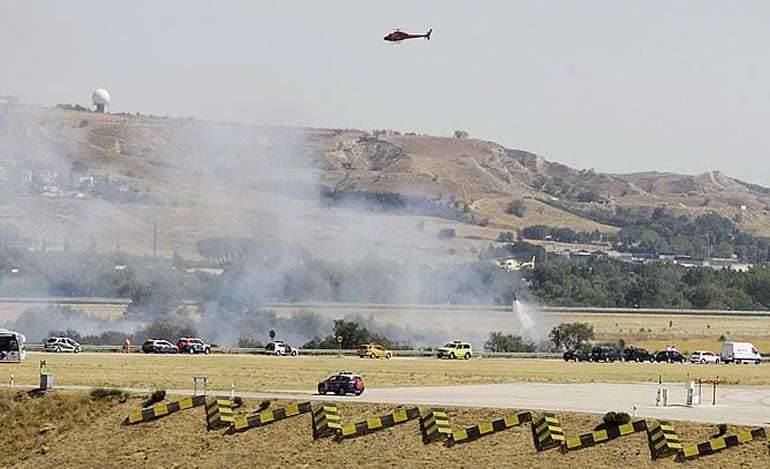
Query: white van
{"x": 740, "y": 352}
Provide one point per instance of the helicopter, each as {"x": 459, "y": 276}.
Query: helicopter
{"x": 398, "y": 36}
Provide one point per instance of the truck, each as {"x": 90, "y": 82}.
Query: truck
{"x": 740, "y": 352}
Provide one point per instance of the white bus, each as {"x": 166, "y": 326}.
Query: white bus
{"x": 11, "y": 346}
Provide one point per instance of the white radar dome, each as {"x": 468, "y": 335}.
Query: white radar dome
{"x": 101, "y": 97}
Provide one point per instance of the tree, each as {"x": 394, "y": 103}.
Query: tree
{"x": 461, "y": 134}
{"x": 506, "y": 237}
{"x": 446, "y": 233}
{"x": 571, "y": 335}
{"x": 516, "y": 207}
{"x": 352, "y": 335}
{"x": 499, "y": 342}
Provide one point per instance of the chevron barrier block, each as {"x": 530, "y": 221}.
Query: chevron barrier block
{"x": 714, "y": 445}
{"x": 663, "y": 440}
{"x": 434, "y": 425}
{"x": 477, "y": 431}
{"x": 326, "y": 421}
{"x": 377, "y": 423}
{"x": 600, "y": 436}
{"x": 547, "y": 432}
{"x": 241, "y": 424}
{"x": 162, "y": 410}
{"x": 219, "y": 413}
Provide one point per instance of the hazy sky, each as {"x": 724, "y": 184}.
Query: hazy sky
{"x": 616, "y": 86}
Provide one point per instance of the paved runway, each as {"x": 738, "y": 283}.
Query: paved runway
{"x": 746, "y": 405}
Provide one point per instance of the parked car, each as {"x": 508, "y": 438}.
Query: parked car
{"x": 576, "y": 355}
{"x": 193, "y": 345}
{"x": 344, "y": 382}
{"x": 61, "y": 344}
{"x": 702, "y": 356}
{"x": 740, "y": 352}
{"x": 636, "y": 354}
{"x": 670, "y": 356}
{"x": 280, "y": 347}
{"x": 605, "y": 354}
{"x": 159, "y": 346}
{"x": 455, "y": 349}
{"x": 373, "y": 351}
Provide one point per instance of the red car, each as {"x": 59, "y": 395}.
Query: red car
{"x": 193, "y": 345}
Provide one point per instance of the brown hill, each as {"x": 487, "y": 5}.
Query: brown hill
{"x": 79, "y": 175}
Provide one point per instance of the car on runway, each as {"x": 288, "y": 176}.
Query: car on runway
{"x": 193, "y": 345}
{"x": 704, "y": 356}
{"x": 455, "y": 349}
{"x": 576, "y": 355}
{"x": 605, "y": 354}
{"x": 670, "y": 356}
{"x": 637, "y": 354}
{"x": 373, "y": 351}
{"x": 344, "y": 382}
{"x": 279, "y": 348}
{"x": 159, "y": 346}
{"x": 61, "y": 344}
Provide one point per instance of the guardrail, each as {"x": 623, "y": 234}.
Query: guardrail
{"x": 318, "y": 352}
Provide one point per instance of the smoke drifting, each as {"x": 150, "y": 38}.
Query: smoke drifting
{"x": 208, "y": 180}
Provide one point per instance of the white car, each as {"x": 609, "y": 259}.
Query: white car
{"x": 702, "y": 356}
{"x": 61, "y": 344}
{"x": 280, "y": 347}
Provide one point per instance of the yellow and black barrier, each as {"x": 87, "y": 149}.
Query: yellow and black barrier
{"x": 663, "y": 440}
{"x": 326, "y": 421}
{"x": 161, "y": 410}
{"x": 714, "y": 445}
{"x": 266, "y": 417}
{"x": 377, "y": 423}
{"x": 434, "y": 425}
{"x": 600, "y": 436}
{"x": 219, "y": 413}
{"x": 547, "y": 432}
{"x": 477, "y": 431}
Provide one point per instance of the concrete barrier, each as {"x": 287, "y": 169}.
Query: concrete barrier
{"x": 715, "y": 445}
{"x": 477, "y": 431}
{"x": 326, "y": 421}
{"x": 662, "y": 440}
{"x": 434, "y": 425}
{"x": 241, "y": 424}
{"x": 600, "y": 436}
{"x": 162, "y": 410}
{"x": 376, "y": 424}
{"x": 219, "y": 413}
{"x": 547, "y": 432}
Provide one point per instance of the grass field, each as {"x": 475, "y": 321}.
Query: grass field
{"x": 261, "y": 373}
{"x": 67, "y": 429}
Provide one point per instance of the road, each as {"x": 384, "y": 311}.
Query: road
{"x": 742, "y": 405}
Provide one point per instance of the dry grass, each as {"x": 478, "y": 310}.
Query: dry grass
{"x": 259, "y": 373}
{"x": 181, "y": 440}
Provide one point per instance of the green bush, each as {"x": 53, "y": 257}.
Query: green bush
{"x": 616, "y": 418}
{"x": 104, "y": 394}
{"x": 157, "y": 396}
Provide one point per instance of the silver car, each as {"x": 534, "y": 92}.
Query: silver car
{"x": 61, "y": 344}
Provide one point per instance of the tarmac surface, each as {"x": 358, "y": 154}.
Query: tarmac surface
{"x": 743, "y": 405}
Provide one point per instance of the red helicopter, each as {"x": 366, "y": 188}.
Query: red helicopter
{"x": 398, "y": 36}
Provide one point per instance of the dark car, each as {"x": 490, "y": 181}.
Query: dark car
{"x": 670, "y": 356}
{"x": 344, "y": 382}
{"x": 636, "y": 354}
{"x": 576, "y": 355}
{"x": 159, "y": 346}
{"x": 605, "y": 354}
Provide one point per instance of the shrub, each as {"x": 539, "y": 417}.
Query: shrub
{"x": 157, "y": 396}
{"x": 263, "y": 405}
{"x": 616, "y": 418}
{"x": 104, "y": 394}
{"x": 237, "y": 401}
{"x": 721, "y": 429}
{"x": 506, "y": 237}
{"x": 516, "y": 207}
{"x": 722, "y": 338}
{"x": 446, "y": 233}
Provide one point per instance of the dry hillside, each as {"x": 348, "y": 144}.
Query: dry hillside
{"x": 104, "y": 180}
